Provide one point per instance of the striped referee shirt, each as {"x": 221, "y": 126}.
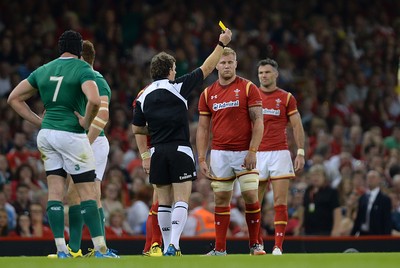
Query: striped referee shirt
{"x": 163, "y": 107}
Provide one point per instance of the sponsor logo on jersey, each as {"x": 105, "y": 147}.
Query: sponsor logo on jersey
{"x": 267, "y": 111}
{"x": 214, "y": 97}
{"x": 219, "y": 106}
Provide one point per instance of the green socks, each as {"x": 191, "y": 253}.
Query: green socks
{"x": 75, "y": 227}
{"x": 91, "y": 217}
{"x": 103, "y": 221}
{"x": 55, "y": 213}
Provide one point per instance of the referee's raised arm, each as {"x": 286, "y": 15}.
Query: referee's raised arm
{"x": 209, "y": 64}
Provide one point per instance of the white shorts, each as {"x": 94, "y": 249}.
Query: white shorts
{"x": 100, "y": 148}
{"x": 227, "y": 165}
{"x": 67, "y": 150}
{"x": 275, "y": 165}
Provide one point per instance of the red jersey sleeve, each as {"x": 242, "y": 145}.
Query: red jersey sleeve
{"x": 203, "y": 107}
{"x": 291, "y": 105}
{"x": 138, "y": 95}
{"x": 254, "y": 96}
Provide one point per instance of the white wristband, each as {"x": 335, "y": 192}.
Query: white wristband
{"x": 300, "y": 152}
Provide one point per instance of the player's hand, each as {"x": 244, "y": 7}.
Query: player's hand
{"x": 226, "y": 36}
{"x": 82, "y": 120}
{"x": 204, "y": 169}
{"x": 146, "y": 165}
{"x": 250, "y": 160}
{"x": 299, "y": 162}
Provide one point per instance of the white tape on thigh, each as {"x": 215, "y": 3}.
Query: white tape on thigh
{"x": 222, "y": 186}
{"x": 248, "y": 182}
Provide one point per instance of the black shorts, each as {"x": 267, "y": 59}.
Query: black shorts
{"x": 171, "y": 163}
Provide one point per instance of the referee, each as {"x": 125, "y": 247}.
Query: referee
{"x": 161, "y": 112}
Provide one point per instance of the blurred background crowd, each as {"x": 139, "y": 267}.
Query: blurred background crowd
{"x": 339, "y": 59}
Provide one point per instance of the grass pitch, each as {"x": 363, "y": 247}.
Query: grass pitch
{"x": 338, "y": 260}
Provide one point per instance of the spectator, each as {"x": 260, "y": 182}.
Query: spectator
{"x": 11, "y": 214}
{"x": 31, "y": 133}
{"x": 24, "y": 175}
{"x": 139, "y": 210}
{"x": 5, "y": 78}
{"x": 322, "y": 213}
{"x": 200, "y": 222}
{"x": 118, "y": 227}
{"x": 118, "y": 176}
{"x": 20, "y": 153}
{"x": 111, "y": 200}
{"x": 4, "y": 227}
{"x": 374, "y": 209}
{"x": 295, "y": 207}
{"x": 393, "y": 141}
{"x": 5, "y": 136}
{"x": 268, "y": 215}
{"x": 24, "y": 226}
{"x": 37, "y": 216}
{"x": 5, "y": 174}
{"x": 22, "y": 200}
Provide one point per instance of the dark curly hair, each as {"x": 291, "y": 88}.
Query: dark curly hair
{"x": 160, "y": 65}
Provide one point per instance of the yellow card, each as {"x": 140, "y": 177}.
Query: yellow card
{"x": 223, "y": 27}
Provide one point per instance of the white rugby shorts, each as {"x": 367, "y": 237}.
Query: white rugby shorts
{"x": 275, "y": 165}
{"x": 67, "y": 150}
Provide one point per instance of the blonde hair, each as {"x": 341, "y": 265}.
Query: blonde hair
{"x": 229, "y": 51}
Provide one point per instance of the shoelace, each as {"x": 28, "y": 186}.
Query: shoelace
{"x": 90, "y": 253}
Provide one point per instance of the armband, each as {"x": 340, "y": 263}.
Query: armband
{"x": 300, "y": 152}
{"x": 252, "y": 149}
{"x": 145, "y": 155}
{"x": 221, "y": 44}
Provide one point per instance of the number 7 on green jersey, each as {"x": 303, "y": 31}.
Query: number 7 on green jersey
{"x": 59, "y": 81}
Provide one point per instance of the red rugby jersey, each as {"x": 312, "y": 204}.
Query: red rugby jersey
{"x": 277, "y": 107}
{"x": 228, "y": 107}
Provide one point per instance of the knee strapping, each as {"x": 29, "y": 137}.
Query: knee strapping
{"x": 248, "y": 182}
{"x": 222, "y": 186}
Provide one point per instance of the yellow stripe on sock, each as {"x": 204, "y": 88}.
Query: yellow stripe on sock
{"x": 253, "y": 211}
{"x": 223, "y": 213}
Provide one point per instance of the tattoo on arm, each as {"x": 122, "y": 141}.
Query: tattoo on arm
{"x": 255, "y": 113}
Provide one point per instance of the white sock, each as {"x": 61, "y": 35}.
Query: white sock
{"x": 164, "y": 221}
{"x": 61, "y": 245}
{"x": 178, "y": 220}
{"x": 99, "y": 244}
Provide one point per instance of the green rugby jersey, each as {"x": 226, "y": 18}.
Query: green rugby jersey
{"x": 104, "y": 89}
{"x": 59, "y": 84}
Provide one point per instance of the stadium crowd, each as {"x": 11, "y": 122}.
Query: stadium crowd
{"x": 338, "y": 59}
